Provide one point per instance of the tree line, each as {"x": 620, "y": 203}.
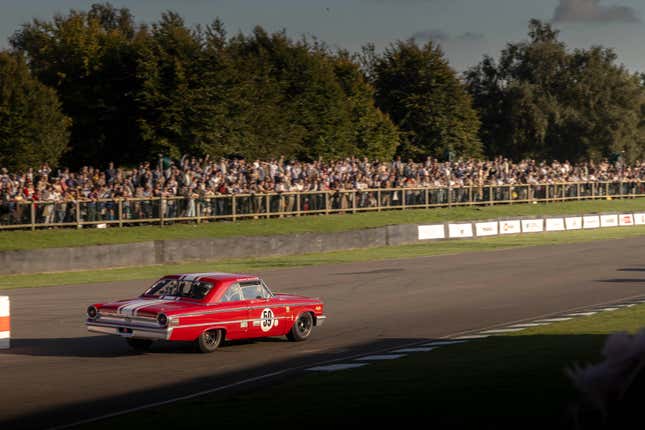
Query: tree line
{"x": 88, "y": 87}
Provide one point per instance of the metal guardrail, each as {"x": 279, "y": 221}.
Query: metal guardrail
{"x": 167, "y": 210}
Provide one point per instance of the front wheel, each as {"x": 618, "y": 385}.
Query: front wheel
{"x": 301, "y": 328}
{"x": 209, "y": 340}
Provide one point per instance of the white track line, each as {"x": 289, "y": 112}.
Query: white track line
{"x": 471, "y": 336}
{"x": 444, "y": 342}
{"x": 503, "y": 330}
{"x": 581, "y": 314}
{"x": 527, "y": 325}
{"x": 337, "y": 367}
{"x": 381, "y": 357}
{"x": 557, "y": 319}
{"x": 609, "y": 309}
{"x": 418, "y": 349}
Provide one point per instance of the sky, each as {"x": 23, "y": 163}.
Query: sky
{"x": 466, "y": 29}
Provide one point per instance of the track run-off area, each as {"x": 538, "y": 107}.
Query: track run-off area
{"x": 57, "y": 373}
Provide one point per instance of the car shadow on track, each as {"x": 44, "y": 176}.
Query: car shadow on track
{"x": 110, "y": 346}
{"x": 88, "y": 346}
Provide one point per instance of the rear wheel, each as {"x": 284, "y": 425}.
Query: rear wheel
{"x": 301, "y": 328}
{"x": 209, "y": 340}
{"x": 139, "y": 344}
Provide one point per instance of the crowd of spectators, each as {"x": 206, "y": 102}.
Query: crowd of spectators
{"x": 202, "y": 179}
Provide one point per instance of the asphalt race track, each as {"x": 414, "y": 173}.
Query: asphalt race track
{"x": 57, "y": 373}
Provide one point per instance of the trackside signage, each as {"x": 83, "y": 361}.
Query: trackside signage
{"x": 532, "y": 225}
{"x": 608, "y": 220}
{"x": 486, "y": 229}
{"x": 510, "y": 227}
{"x": 591, "y": 221}
{"x": 573, "y": 223}
{"x": 625, "y": 219}
{"x": 436, "y": 231}
{"x": 460, "y": 230}
{"x": 639, "y": 219}
{"x": 5, "y": 327}
{"x": 555, "y": 224}
{"x": 515, "y": 226}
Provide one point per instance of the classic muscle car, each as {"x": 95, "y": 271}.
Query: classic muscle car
{"x": 206, "y": 308}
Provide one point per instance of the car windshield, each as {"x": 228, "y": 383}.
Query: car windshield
{"x": 178, "y": 288}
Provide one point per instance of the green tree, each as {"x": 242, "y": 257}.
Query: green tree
{"x": 32, "y": 128}
{"x": 540, "y": 100}
{"x": 422, "y": 94}
{"x": 169, "y": 100}
{"x": 90, "y": 58}
{"x": 375, "y": 135}
{"x": 135, "y": 91}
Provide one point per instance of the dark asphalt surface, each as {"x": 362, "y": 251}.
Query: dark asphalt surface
{"x": 58, "y": 373}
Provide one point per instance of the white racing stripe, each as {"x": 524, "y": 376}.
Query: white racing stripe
{"x": 130, "y": 309}
{"x": 125, "y": 308}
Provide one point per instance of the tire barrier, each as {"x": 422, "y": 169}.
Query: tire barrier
{"x": 5, "y": 326}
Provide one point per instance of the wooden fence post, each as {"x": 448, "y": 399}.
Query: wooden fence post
{"x": 120, "y": 211}
{"x": 33, "y": 215}
{"x": 163, "y": 203}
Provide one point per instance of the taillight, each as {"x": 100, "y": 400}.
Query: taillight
{"x": 162, "y": 319}
{"x": 92, "y": 312}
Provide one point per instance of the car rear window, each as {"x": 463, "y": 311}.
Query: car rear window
{"x": 177, "y": 288}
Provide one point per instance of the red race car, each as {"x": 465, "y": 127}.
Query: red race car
{"x": 207, "y": 308}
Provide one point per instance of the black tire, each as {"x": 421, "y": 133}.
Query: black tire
{"x": 139, "y": 344}
{"x": 302, "y": 328}
{"x": 209, "y": 340}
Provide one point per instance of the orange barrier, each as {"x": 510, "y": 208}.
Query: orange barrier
{"x": 5, "y": 324}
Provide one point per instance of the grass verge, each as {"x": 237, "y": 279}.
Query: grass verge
{"x": 15, "y": 240}
{"x": 516, "y": 380}
{"x": 357, "y": 255}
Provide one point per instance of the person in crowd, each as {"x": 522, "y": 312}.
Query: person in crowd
{"x": 191, "y": 182}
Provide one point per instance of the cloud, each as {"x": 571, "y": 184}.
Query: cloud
{"x": 441, "y": 36}
{"x": 593, "y": 11}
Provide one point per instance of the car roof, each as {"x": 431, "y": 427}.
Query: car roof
{"x": 213, "y": 277}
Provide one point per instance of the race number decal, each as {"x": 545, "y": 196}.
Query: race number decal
{"x": 268, "y": 319}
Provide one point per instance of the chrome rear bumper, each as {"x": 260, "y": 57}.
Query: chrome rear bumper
{"x": 133, "y": 331}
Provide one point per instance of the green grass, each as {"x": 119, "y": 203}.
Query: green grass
{"x": 14, "y": 240}
{"x": 517, "y": 380}
{"x": 338, "y": 257}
